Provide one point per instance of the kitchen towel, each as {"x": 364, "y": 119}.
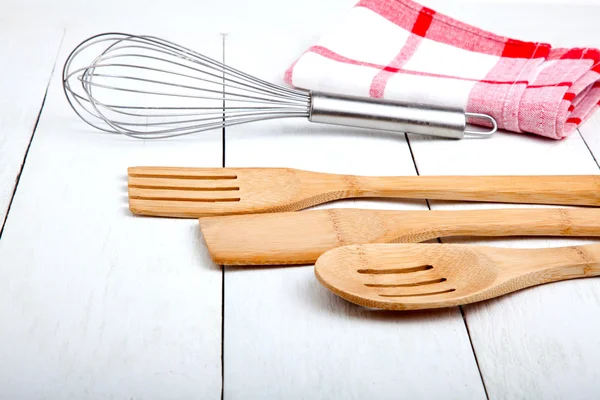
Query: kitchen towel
{"x": 400, "y": 50}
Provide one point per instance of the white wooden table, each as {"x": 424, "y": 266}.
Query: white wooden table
{"x": 98, "y": 304}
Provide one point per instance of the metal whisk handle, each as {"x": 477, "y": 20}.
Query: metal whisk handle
{"x": 396, "y": 116}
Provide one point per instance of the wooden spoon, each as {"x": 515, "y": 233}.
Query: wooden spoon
{"x": 418, "y": 276}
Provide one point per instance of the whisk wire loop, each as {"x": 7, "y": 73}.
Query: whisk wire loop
{"x": 147, "y": 87}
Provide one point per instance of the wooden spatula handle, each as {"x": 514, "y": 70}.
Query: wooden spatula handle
{"x": 412, "y": 227}
{"x": 545, "y": 189}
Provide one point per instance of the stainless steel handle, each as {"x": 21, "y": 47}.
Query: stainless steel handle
{"x": 396, "y": 116}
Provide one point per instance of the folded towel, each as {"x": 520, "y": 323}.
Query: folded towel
{"x": 398, "y": 49}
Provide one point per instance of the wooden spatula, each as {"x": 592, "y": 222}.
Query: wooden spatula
{"x": 301, "y": 237}
{"x": 417, "y": 276}
{"x": 196, "y": 192}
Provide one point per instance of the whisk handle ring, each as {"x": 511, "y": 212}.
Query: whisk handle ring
{"x": 388, "y": 115}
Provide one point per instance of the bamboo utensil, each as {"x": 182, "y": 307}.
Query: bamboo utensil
{"x": 417, "y": 276}
{"x": 301, "y": 237}
{"x": 197, "y": 192}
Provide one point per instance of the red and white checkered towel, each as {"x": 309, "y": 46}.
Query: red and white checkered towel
{"x": 398, "y": 49}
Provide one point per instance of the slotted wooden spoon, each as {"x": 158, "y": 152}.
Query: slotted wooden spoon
{"x": 417, "y": 276}
{"x": 197, "y": 192}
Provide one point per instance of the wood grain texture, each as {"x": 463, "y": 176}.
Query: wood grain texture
{"x": 196, "y": 192}
{"x": 25, "y": 72}
{"x": 422, "y": 276}
{"x": 97, "y": 303}
{"x": 301, "y": 237}
{"x": 295, "y": 336}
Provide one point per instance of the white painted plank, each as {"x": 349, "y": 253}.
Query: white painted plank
{"x": 590, "y": 131}
{"x": 543, "y": 342}
{"x": 25, "y": 72}
{"x": 285, "y": 335}
{"x": 94, "y": 302}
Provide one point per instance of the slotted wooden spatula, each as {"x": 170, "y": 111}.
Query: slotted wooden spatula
{"x": 196, "y": 192}
{"x": 301, "y": 237}
{"x": 417, "y": 276}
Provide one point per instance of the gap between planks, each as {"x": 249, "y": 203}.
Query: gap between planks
{"x": 588, "y": 147}
{"x": 223, "y": 140}
{"x": 462, "y": 312}
{"x": 32, "y": 136}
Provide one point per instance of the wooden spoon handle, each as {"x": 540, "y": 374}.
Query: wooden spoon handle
{"x": 548, "y": 189}
{"x": 549, "y": 264}
{"x": 413, "y": 227}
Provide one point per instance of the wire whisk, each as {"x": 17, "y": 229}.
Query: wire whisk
{"x": 147, "y": 87}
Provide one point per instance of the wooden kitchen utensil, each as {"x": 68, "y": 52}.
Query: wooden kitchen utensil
{"x": 301, "y": 237}
{"x": 196, "y": 192}
{"x": 417, "y": 276}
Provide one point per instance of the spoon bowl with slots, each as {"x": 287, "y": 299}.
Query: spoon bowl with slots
{"x": 420, "y": 276}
